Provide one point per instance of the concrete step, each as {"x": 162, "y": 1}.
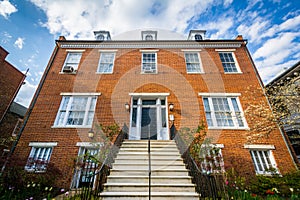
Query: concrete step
{"x": 134, "y": 149}
{"x": 135, "y": 156}
{"x": 143, "y": 187}
{"x": 146, "y": 161}
{"x": 158, "y": 172}
{"x": 145, "y": 166}
{"x": 154, "y": 179}
{"x": 154, "y": 195}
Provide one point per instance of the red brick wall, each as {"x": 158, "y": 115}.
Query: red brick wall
{"x": 115, "y": 88}
{"x": 10, "y": 79}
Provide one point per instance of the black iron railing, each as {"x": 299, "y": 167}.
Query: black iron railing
{"x": 207, "y": 185}
{"x": 96, "y": 176}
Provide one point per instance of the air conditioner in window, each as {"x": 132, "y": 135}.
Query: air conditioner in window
{"x": 148, "y": 70}
{"x": 68, "y": 69}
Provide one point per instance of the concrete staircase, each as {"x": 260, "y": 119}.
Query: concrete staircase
{"x": 128, "y": 178}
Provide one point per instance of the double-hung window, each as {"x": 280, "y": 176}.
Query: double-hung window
{"x": 39, "y": 156}
{"x": 76, "y": 111}
{"x": 193, "y": 63}
{"x": 211, "y": 158}
{"x": 263, "y": 159}
{"x": 149, "y": 62}
{"x": 106, "y": 62}
{"x": 229, "y": 62}
{"x": 87, "y": 163}
{"x": 72, "y": 61}
{"x": 223, "y": 111}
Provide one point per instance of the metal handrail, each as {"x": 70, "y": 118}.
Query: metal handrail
{"x": 206, "y": 185}
{"x": 97, "y": 177}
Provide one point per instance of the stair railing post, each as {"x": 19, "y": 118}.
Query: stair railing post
{"x": 149, "y": 162}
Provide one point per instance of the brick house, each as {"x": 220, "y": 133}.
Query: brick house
{"x": 147, "y": 84}
{"x": 11, "y": 113}
{"x": 292, "y": 128}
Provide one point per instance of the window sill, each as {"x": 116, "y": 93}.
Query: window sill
{"x": 71, "y": 126}
{"x": 195, "y": 72}
{"x": 104, "y": 72}
{"x": 149, "y": 73}
{"x": 233, "y": 72}
{"x": 228, "y": 128}
{"x": 72, "y": 73}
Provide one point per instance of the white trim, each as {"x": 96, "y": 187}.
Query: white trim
{"x": 191, "y": 50}
{"x": 42, "y": 144}
{"x": 205, "y": 94}
{"x": 149, "y": 50}
{"x": 75, "y": 50}
{"x": 108, "y": 50}
{"x": 200, "y": 63}
{"x": 225, "y": 50}
{"x": 80, "y": 94}
{"x": 221, "y": 146}
{"x": 88, "y": 144}
{"x": 259, "y": 146}
{"x": 149, "y": 94}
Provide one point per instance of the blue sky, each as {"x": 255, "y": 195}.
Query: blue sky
{"x": 28, "y": 28}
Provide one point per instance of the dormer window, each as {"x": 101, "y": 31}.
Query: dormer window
{"x": 198, "y": 37}
{"x": 102, "y": 35}
{"x": 149, "y": 35}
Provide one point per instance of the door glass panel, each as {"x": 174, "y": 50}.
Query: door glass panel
{"x": 134, "y": 112}
{"x": 149, "y": 126}
{"x": 149, "y": 102}
{"x": 163, "y": 118}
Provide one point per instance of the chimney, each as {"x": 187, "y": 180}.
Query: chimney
{"x": 61, "y": 38}
{"x": 239, "y": 37}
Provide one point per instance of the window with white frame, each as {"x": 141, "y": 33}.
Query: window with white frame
{"x": 76, "y": 111}
{"x": 39, "y": 156}
{"x": 263, "y": 159}
{"x": 223, "y": 112}
{"x": 149, "y": 62}
{"x": 193, "y": 64}
{"x": 85, "y": 166}
{"x": 211, "y": 158}
{"x": 72, "y": 61}
{"x": 106, "y": 62}
{"x": 229, "y": 62}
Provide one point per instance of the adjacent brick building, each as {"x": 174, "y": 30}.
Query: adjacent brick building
{"x": 11, "y": 79}
{"x": 147, "y": 85}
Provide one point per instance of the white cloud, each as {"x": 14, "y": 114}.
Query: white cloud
{"x": 19, "y": 43}
{"x": 118, "y": 16}
{"x": 26, "y": 93}
{"x": 227, "y": 2}
{"x": 6, "y": 8}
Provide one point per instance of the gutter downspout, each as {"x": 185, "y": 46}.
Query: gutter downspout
{"x": 31, "y": 107}
{"x": 262, "y": 86}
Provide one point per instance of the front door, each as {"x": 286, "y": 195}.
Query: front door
{"x": 149, "y": 124}
{"x": 148, "y": 119}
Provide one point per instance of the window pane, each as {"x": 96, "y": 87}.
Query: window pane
{"x": 134, "y": 112}
{"x": 228, "y": 62}
{"x": 163, "y": 117}
{"x": 106, "y": 62}
{"x": 192, "y": 62}
{"x": 149, "y": 62}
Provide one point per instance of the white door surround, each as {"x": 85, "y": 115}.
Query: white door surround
{"x": 149, "y": 116}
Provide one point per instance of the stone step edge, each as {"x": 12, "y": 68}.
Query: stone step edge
{"x": 152, "y": 184}
{"x": 154, "y": 170}
{"x": 144, "y": 194}
{"x": 152, "y": 177}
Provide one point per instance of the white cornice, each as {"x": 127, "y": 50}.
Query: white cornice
{"x": 164, "y": 45}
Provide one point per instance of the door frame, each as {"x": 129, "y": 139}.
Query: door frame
{"x": 135, "y": 132}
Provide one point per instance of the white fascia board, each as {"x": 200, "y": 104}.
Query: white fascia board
{"x": 42, "y": 144}
{"x": 80, "y": 94}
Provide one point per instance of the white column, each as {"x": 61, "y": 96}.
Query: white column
{"x": 158, "y": 119}
{"x": 139, "y": 119}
